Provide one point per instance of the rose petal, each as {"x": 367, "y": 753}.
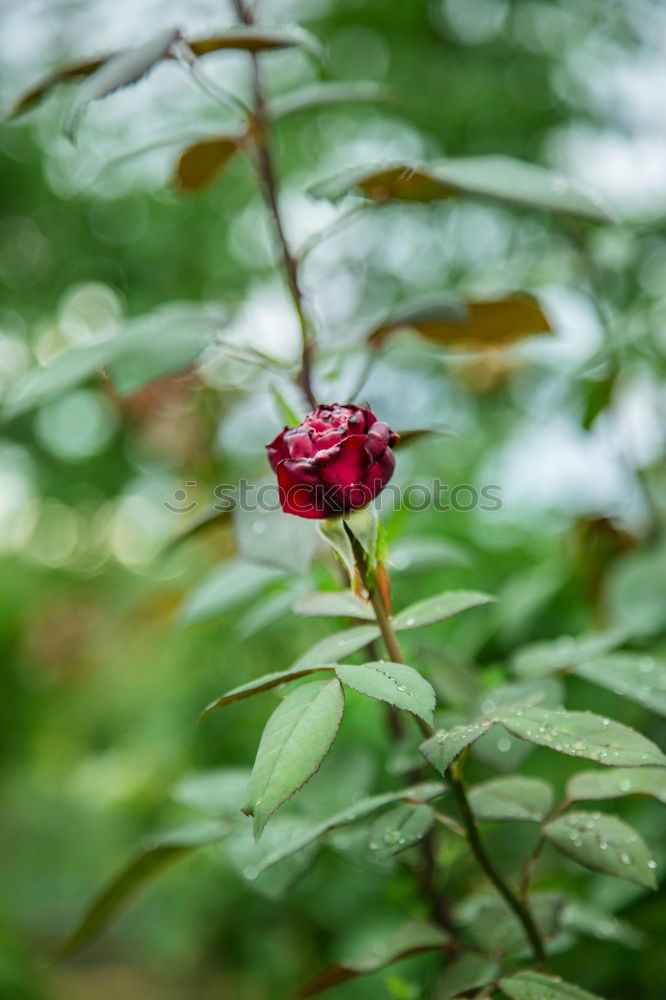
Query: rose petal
{"x": 300, "y": 492}
{"x": 348, "y": 466}
{"x": 299, "y": 443}
{"x": 377, "y": 439}
{"x": 379, "y": 473}
{"x": 277, "y": 450}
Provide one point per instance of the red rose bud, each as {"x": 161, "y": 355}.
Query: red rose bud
{"x": 337, "y": 460}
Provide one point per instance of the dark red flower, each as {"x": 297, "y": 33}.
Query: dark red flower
{"x": 337, "y": 460}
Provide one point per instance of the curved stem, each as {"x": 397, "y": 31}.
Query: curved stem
{"x": 266, "y": 167}
{"x": 530, "y": 864}
{"x": 477, "y": 846}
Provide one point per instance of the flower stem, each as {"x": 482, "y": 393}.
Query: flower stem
{"x": 476, "y": 844}
{"x": 260, "y": 132}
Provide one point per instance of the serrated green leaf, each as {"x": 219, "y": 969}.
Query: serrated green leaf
{"x": 226, "y": 587}
{"x": 443, "y": 748}
{"x": 498, "y": 178}
{"x": 618, "y": 782}
{"x": 439, "y": 607}
{"x": 335, "y": 647}
{"x": 398, "y": 829}
{"x": 467, "y": 973}
{"x": 511, "y": 798}
{"x": 636, "y": 676}
{"x": 592, "y": 921}
{"x": 413, "y": 938}
{"x": 604, "y": 844}
{"x": 535, "y": 986}
{"x": 118, "y": 71}
{"x": 293, "y": 745}
{"x": 259, "y": 685}
{"x": 475, "y": 326}
{"x": 422, "y": 792}
{"x": 582, "y": 734}
{"x": 334, "y": 604}
{"x": 577, "y": 734}
{"x": 542, "y": 658}
{"x": 155, "y": 854}
{"x": 219, "y": 792}
{"x": 395, "y": 683}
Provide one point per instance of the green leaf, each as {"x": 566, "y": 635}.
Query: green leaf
{"x": 582, "y": 734}
{"x": 443, "y": 748}
{"x": 160, "y": 343}
{"x": 577, "y": 734}
{"x": 636, "y": 676}
{"x": 535, "y": 986}
{"x": 293, "y": 745}
{"x": 269, "y": 538}
{"x": 400, "y": 828}
{"x": 260, "y": 685}
{"x": 604, "y": 844}
{"x": 495, "y": 928}
{"x": 597, "y": 923}
{"x": 511, "y": 798}
{"x": 394, "y": 683}
{"x": 147, "y": 347}
{"x": 118, "y": 71}
{"x": 411, "y": 555}
{"x": 39, "y": 385}
{"x": 155, "y": 854}
{"x": 467, "y": 973}
{"x": 422, "y": 792}
{"x": 219, "y": 792}
{"x": 472, "y": 326}
{"x": 542, "y": 658}
{"x": 618, "y": 782}
{"x": 225, "y": 588}
{"x": 334, "y": 604}
{"x": 246, "y": 856}
{"x": 317, "y": 95}
{"x": 335, "y": 647}
{"x": 436, "y": 609}
{"x": 199, "y": 525}
{"x": 413, "y": 938}
{"x": 364, "y": 526}
{"x": 498, "y": 178}
{"x": 332, "y": 530}
{"x": 199, "y": 164}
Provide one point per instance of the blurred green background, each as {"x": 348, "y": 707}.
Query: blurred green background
{"x": 103, "y": 671}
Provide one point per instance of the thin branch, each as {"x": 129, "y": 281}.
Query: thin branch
{"x": 260, "y": 133}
